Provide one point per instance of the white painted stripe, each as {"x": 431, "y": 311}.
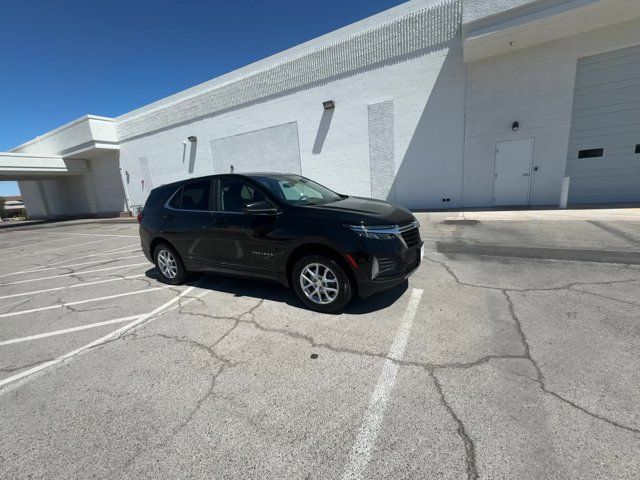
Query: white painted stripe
{"x": 68, "y": 330}
{"x": 81, "y": 272}
{"x": 111, "y": 336}
{"x": 44, "y": 241}
{"x": 78, "y": 285}
{"x": 49, "y": 264}
{"x": 60, "y": 267}
{"x": 374, "y": 416}
{"x": 106, "y": 252}
{"x": 41, "y": 252}
{"x": 80, "y": 302}
{"x": 94, "y": 234}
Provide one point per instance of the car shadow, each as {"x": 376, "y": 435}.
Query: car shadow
{"x": 241, "y": 287}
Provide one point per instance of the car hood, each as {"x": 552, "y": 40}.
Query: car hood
{"x": 366, "y": 210}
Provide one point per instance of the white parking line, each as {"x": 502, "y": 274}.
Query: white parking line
{"x": 80, "y": 302}
{"x": 82, "y": 272}
{"x": 68, "y": 330}
{"x": 374, "y": 416}
{"x": 73, "y": 245}
{"x": 49, "y": 264}
{"x": 93, "y": 262}
{"x": 45, "y": 240}
{"x": 111, "y": 336}
{"x": 78, "y": 285}
{"x": 106, "y": 252}
{"x": 94, "y": 234}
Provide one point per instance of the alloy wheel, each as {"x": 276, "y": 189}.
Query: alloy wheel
{"x": 167, "y": 264}
{"x": 319, "y": 283}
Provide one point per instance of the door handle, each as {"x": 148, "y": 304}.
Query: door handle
{"x": 220, "y": 221}
{"x": 525, "y": 174}
{"x": 167, "y": 216}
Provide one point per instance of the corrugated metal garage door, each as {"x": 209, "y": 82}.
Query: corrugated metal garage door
{"x": 604, "y": 148}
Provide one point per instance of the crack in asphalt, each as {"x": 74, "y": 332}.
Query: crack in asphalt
{"x": 21, "y": 367}
{"x": 210, "y": 350}
{"x": 527, "y": 350}
{"x": 540, "y": 377}
{"x": 13, "y": 306}
{"x": 469, "y": 446}
{"x": 311, "y": 341}
{"x": 457, "y": 365}
{"x": 569, "y": 286}
{"x": 72, "y": 308}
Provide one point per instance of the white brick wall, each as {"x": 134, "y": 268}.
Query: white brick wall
{"x": 414, "y": 61}
{"x": 343, "y": 163}
{"x": 477, "y": 9}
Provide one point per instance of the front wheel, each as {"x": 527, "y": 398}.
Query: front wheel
{"x": 169, "y": 264}
{"x": 321, "y": 283}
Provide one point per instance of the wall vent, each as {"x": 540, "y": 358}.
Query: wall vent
{"x": 591, "y": 153}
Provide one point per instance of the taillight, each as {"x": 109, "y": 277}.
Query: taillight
{"x": 140, "y": 215}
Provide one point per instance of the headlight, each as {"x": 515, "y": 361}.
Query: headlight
{"x": 383, "y": 232}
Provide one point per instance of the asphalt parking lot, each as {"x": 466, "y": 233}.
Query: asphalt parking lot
{"x": 513, "y": 353}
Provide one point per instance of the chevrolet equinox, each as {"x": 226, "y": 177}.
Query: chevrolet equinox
{"x": 280, "y": 227}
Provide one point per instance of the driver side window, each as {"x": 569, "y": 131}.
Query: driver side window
{"x": 233, "y": 194}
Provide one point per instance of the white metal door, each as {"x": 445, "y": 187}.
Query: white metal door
{"x": 513, "y": 172}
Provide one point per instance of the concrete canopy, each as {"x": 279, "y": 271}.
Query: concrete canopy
{"x": 73, "y": 170}
{"x": 489, "y": 30}
{"x": 25, "y": 166}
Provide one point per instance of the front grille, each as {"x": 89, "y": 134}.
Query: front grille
{"x": 412, "y": 265}
{"x": 411, "y": 235}
{"x": 387, "y": 266}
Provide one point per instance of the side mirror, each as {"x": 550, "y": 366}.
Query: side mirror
{"x": 259, "y": 208}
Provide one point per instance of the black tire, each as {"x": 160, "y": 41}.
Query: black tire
{"x": 167, "y": 252}
{"x": 322, "y": 301}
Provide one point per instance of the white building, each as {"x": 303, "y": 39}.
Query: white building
{"x": 437, "y": 104}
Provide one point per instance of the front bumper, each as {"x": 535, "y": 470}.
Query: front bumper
{"x": 393, "y": 270}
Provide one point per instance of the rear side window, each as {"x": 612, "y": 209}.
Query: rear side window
{"x": 176, "y": 199}
{"x": 192, "y": 196}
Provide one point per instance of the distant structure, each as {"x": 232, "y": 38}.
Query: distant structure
{"x": 14, "y": 207}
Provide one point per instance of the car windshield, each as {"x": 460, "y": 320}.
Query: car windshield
{"x": 296, "y": 190}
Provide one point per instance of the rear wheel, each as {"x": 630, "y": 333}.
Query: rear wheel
{"x": 169, "y": 264}
{"x": 321, "y": 283}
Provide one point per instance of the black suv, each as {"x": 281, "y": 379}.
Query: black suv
{"x": 280, "y": 227}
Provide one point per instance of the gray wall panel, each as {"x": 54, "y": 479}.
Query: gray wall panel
{"x": 273, "y": 149}
{"x": 381, "y": 148}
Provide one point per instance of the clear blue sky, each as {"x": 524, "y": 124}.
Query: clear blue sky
{"x": 62, "y": 59}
